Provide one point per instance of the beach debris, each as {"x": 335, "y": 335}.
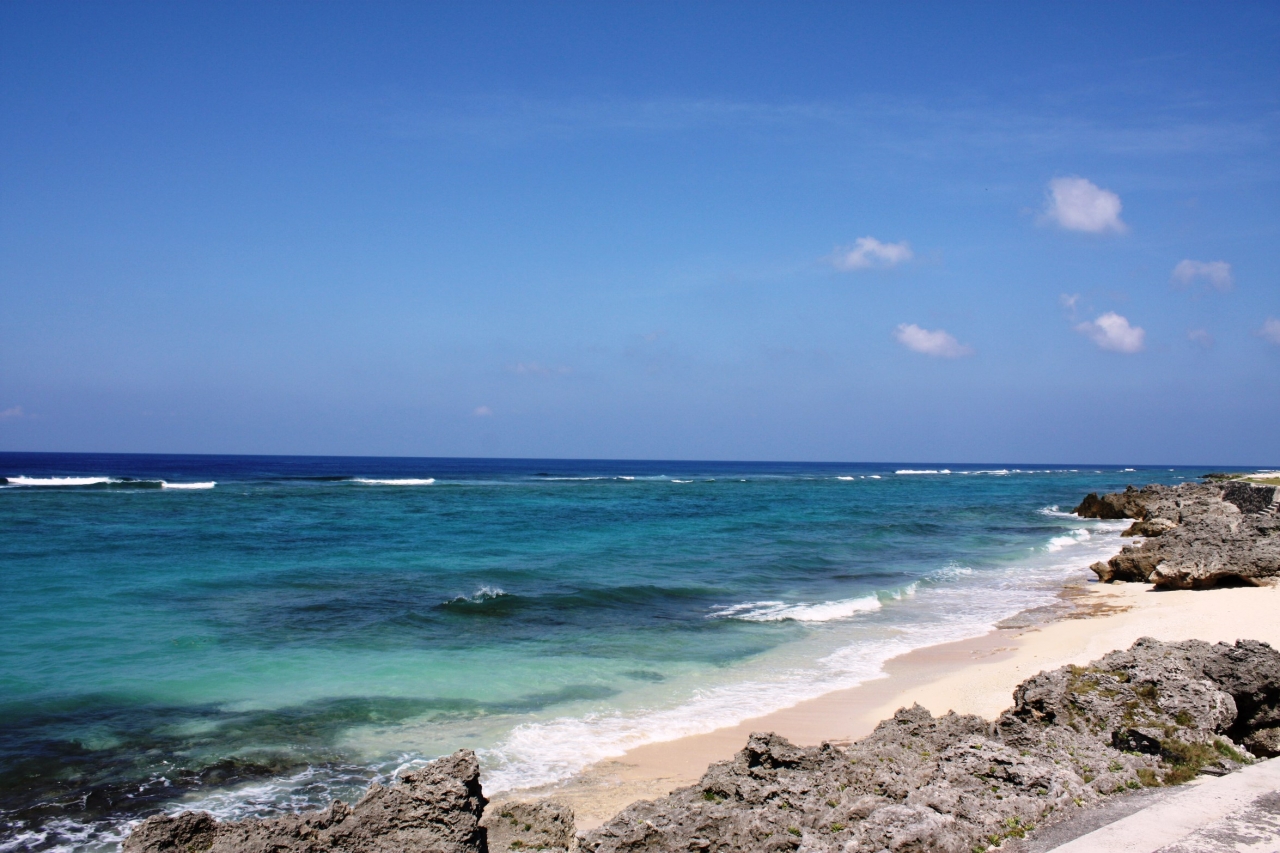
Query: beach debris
{"x": 1196, "y": 535}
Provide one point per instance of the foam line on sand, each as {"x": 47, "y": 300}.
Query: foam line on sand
{"x": 972, "y": 676}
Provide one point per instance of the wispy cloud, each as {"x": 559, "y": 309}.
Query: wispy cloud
{"x": 1201, "y": 338}
{"x": 482, "y": 411}
{"x": 1113, "y": 332}
{"x": 1078, "y": 204}
{"x": 936, "y": 343}
{"x": 868, "y": 252}
{"x": 11, "y": 413}
{"x": 1217, "y": 274}
{"x": 1270, "y": 330}
{"x": 922, "y": 127}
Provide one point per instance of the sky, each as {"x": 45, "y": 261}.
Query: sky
{"x": 759, "y": 231}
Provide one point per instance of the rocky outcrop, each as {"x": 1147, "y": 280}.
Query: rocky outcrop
{"x": 545, "y": 825}
{"x": 1127, "y": 504}
{"x": 1157, "y": 713}
{"x": 433, "y": 810}
{"x": 1196, "y": 535}
{"x": 1154, "y": 714}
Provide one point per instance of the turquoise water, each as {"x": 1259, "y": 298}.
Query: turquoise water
{"x": 250, "y": 634}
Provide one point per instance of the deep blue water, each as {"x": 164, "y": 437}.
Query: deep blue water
{"x": 289, "y": 633}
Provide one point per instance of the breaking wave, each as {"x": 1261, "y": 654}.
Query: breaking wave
{"x": 779, "y": 611}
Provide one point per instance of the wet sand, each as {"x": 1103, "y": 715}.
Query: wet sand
{"x": 974, "y": 676}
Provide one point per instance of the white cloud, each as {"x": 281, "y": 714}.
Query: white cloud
{"x": 938, "y": 343}
{"x": 1078, "y": 204}
{"x": 1271, "y": 330}
{"x": 482, "y": 411}
{"x": 1113, "y": 332}
{"x": 1200, "y": 337}
{"x": 1216, "y": 273}
{"x": 868, "y": 252}
{"x": 12, "y": 412}
{"x": 1069, "y": 301}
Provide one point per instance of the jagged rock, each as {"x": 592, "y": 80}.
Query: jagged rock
{"x": 1196, "y": 537}
{"x": 1149, "y": 527}
{"x": 1155, "y": 712}
{"x": 433, "y": 810}
{"x": 1264, "y": 742}
{"x": 544, "y": 825}
{"x": 1126, "y": 504}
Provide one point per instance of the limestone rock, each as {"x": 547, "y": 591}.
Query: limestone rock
{"x": 1126, "y": 504}
{"x": 1157, "y": 711}
{"x": 1199, "y": 535}
{"x": 544, "y": 825}
{"x": 1149, "y": 527}
{"x": 433, "y": 810}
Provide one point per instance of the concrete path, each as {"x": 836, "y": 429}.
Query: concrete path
{"x": 1230, "y": 814}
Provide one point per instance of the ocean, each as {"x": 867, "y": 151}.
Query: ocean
{"x": 255, "y": 634}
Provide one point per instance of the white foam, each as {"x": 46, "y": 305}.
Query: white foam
{"x": 928, "y": 471}
{"x": 369, "y": 481}
{"x": 682, "y": 481}
{"x": 1075, "y": 537}
{"x": 846, "y": 478}
{"x": 961, "y": 606}
{"x": 951, "y": 571}
{"x": 778, "y": 611}
{"x": 1054, "y": 512}
{"x": 873, "y": 477}
{"x": 484, "y": 593}
{"x": 208, "y": 485}
{"x": 59, "y": 481}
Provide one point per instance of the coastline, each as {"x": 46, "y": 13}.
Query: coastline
{"x": 974, "y": 676}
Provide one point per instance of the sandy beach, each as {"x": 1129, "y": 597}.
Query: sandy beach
{"x": 974, "y": 676}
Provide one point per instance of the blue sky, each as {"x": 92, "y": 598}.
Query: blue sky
{"x": 1021, "y": 232}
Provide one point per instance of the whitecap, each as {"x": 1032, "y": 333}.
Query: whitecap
{"x": 484, "y": 593}
{"x": 409, "y": 481}
{"x": 951, "y": 571}
{"x": 167, "y": 485}
{"x": 928, "y": 471}
{"x": 846, "y": 478}
{"x": 60, "y": 481}
{"x": 778, "y": 611}
{"x": 1075, "y": 537}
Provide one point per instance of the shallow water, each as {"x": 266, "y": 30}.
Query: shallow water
{"x": 282, "y": 630}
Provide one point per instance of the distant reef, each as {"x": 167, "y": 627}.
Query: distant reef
{"x": 1155, "y": 714}
{"x": 1195, "y": 535}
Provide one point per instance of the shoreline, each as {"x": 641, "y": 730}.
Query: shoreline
{"x": 975, "y": 675}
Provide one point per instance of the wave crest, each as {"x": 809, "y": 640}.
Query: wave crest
{"x": 780, "y": 611}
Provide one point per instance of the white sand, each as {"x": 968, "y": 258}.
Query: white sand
{"x": 974, "y": 676}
